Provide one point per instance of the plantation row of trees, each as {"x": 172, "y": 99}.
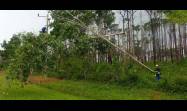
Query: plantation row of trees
{"x": 162, "y": 38}
{"x": 71, "y": 52}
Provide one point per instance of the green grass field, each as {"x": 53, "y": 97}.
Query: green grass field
{"x": 80, "y": 90}
{"x": 108, "y": 92}
{"x": 33, "y": 92}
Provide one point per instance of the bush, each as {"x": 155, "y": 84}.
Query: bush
{"x": 74, "y": 68}
{"x": 102, "y": 72}
{"x": 180, "y": 85}
{"x": 13, "y": 72}
{"x": 129, "y": 80}
{"x": 118, "y": 72}
{"x": 79, "y": 69}
{"x": 57, "y": 74}
{"x": 174, "y": 86}
{"x": 164, "y": 85}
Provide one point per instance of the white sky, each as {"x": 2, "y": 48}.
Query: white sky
{"x": 15, "y": 21}
{"x": 136, "y": 17}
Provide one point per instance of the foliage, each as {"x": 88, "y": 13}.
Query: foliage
{"x": 9, "y": 49}
{"x": 177, "y": 16}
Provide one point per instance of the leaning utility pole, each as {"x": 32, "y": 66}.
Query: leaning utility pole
{"x": 47, "y": 20}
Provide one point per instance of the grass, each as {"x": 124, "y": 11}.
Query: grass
{"x": 80, "y": 90}
{"x": 33, "y": 92}
{"x": 109, "y": 92}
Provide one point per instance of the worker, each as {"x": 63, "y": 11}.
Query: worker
{"x": 44, "y": 30}
{"x": 157, "y": 70}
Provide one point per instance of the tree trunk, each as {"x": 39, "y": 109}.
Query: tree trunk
{"x": 165, "y": 40}
{"x": 132, "y": 29}
{"x": 123, "y": 25}
{"x": 184, "y": 41}
{"x": 159, "y": 46}
{"x": 162, "y": 43}
{"x": 110, "y": 57}
{"x": 171, "y": 52}
{"x": 175, "y": 42}
{"x": 180, "y": 43}
{"x": 128, "y": 32}
{"x": 153, "y": 35}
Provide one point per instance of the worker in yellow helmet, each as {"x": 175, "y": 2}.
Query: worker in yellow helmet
{"x": 157, "y": 72}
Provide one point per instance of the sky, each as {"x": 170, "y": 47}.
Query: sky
{"x": 136, "y": 17}
{"x": 15, "y": 21}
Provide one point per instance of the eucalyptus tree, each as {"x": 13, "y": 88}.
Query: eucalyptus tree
{"x": 178, "y": 17}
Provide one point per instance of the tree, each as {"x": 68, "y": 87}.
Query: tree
{"x": 153, "y": 16}
{"x": 9, "y": 49}
{"x": 177, "y": 16}
{"x": 21, "y": 64}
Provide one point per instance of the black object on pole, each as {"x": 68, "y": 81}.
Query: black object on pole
{"x": 44, "y": 30}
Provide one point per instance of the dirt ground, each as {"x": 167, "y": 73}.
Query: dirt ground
{"x": 156, "y": 95}
{"x": 42, "y": 79}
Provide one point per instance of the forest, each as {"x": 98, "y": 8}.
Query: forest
{"x": 87, "y": 55}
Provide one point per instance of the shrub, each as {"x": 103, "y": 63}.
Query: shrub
{"x": 173, "y": 86}
{"x": 57, "y": 74}
{"x": 102, "y": 72}
{"x": 164, "y": 85}
{"x": 180, "y": 85}
{"x": 74, "y": 68}
{"x": 129, "y": 80}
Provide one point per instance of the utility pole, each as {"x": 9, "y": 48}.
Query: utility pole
{"x": 47, "y": 28}
{"x": 47, "y": 20}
